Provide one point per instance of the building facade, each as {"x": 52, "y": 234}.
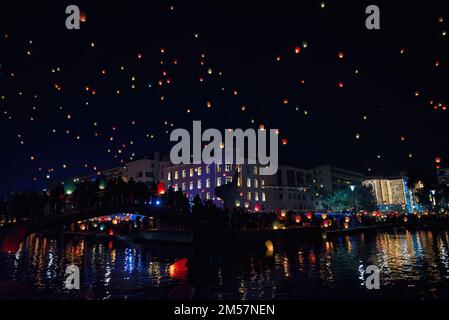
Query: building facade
{"x": 392, "y": 193}
{"x": 147, "y": 169}
{"x": 202, "y": 179}
{"x": 291, "y": 189}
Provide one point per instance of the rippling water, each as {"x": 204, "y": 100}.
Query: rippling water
{"x": 413, "y": 265}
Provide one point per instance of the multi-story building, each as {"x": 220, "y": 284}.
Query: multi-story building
{"x": 392, "y": 193}
{"x": 147, "y": 169}
{"x": 202, "y": 179}
{"x": 443, "y": 176}
{"x": 291, "y": 189}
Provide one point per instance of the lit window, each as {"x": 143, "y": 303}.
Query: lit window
{"x": 176, "y": 175}
{"x": 228, "y": 179}
{"x": 198, "y": 184}
{"x": 208, "y": 196}
{"x": 169, "y": 176}
{"x": 248, "y": 196}
{"x": 218, "y": 167}
{"x": 256, "y": 196}
{"x": 207, "y": 169}
{"x": 228, "y": 167}
{"x": 218, "y": 182}
{"x": 199, "y": 171}
{"x": 184, "y": 174}
{"x": 263, "y": 197}
{"x": 256, "y": 184}
{"x": 191, "y": 172}
{"x": 239, "y": 182}
{"x": 262, "y": 183}
{"x": 183, "y": 186}
{"x": 248, "y": 182}
{"x": 255, "y": 170}
{"x": 191, "y": 185}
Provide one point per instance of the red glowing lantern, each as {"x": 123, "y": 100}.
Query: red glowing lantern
{"x": 284, "y": 141}
{"x": 340, "y": 84}
{"x": 257, "y": 207}
{"x": 179, "y": 269}
{"x": 309, "y": 215}
{"x": 111, "y": 232}
{"x": 297, "y": 50}
{"x": 298, "y": 218}
{"x": 161, "y": 188}
{"x": 438, "y": 159}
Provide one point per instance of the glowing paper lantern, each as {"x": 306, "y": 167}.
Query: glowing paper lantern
{"x": 111, "y": 232}
{"x": 438, "y": 159}
{"x": 309, "y": 215}
{"x": 297, "y": 50}
{"x": 160, "y": 188}
{"x": 347, "y": 219}
{"x": 323, "y": 216}
{"x": 284, "y": 141}
{"x": 82, "y": 227}
{"x": 298, "y": 218}
{"x": 114, "y": 221}
{"x": 179, "y": 269}
{"x": 83, "y": 16}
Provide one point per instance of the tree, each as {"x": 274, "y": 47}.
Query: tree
{"x": 343, "y": 199}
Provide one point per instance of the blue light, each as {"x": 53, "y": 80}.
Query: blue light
{"x": 158, "y": 202}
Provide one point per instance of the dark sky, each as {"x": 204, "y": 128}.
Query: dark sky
{"x": 241, "y": 41}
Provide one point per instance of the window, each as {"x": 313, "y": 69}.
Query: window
{"x": 208, "y": 183}
{"x": 207, "y": 169}
{"x": 218, "y": 167}
{"x": 228, "y": 167}
{"x": 248, "y": 196}
{"x": 198, "y": 184}
{"x": 256, "y": 184}
{"x": 264, "y": 197}
{"x": 289, "y": 196}
{"x": 191, "y": 185}
{"x": 228, "y": 179}
{"x": 199, "y": 170}
{"x": 139, "y": 174}
{"x": 248, "y": 182}
{"x": 183, "y": 186}
{"x": 191, "y": 172}
{"x": 281, "y": 196}
{"x": 169, "y": 176}
{"x": 176, "y": 175}
{"x": 218, "y": 182}
{"x": 239, "y": 182}
{"x": 148, "y": 174}
{"x": 208, "y": 196}
{"x": 184, "y": 174}
{"x": 262, "y": 183}
{"x": 175, "y": 187}
{"x": 256, "y": 196}
{"x": 255, "y": 170}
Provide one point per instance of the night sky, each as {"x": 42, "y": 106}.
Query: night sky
{"x": 173, "y": 62}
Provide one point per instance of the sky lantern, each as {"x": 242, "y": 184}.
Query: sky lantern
{"x": 402, "y": 138}
{"x": 83, "y": 16}
{"x": 340, "y": 84}
{"x": 160, "y": 188}
{"x": 341, "y": 55}
{"x": 309, "y": 215}
{"x": 179, "y": 269}
{"x": 285, "y": 101}
{"x": 298, "y": 218}
{"x": 284, "y": 141}
{"x": 269, "y": 245}
{"x": 438, "y": 159}
{"x": 323, "y": 216}
{"x": 297, "y": 50}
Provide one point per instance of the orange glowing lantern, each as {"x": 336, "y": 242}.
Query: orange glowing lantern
{"x": 438, "y": 159}
{"x": 347, "y": 219}
{"x": 309, "y": 215}
{"x": 323, "y": 216}
{"x": 298, "y": 218}
{"x": 83, "y": 16}
{"x": 179, "y": 269}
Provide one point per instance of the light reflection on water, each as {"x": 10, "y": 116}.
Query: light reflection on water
{"x": 417, "y": 262}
